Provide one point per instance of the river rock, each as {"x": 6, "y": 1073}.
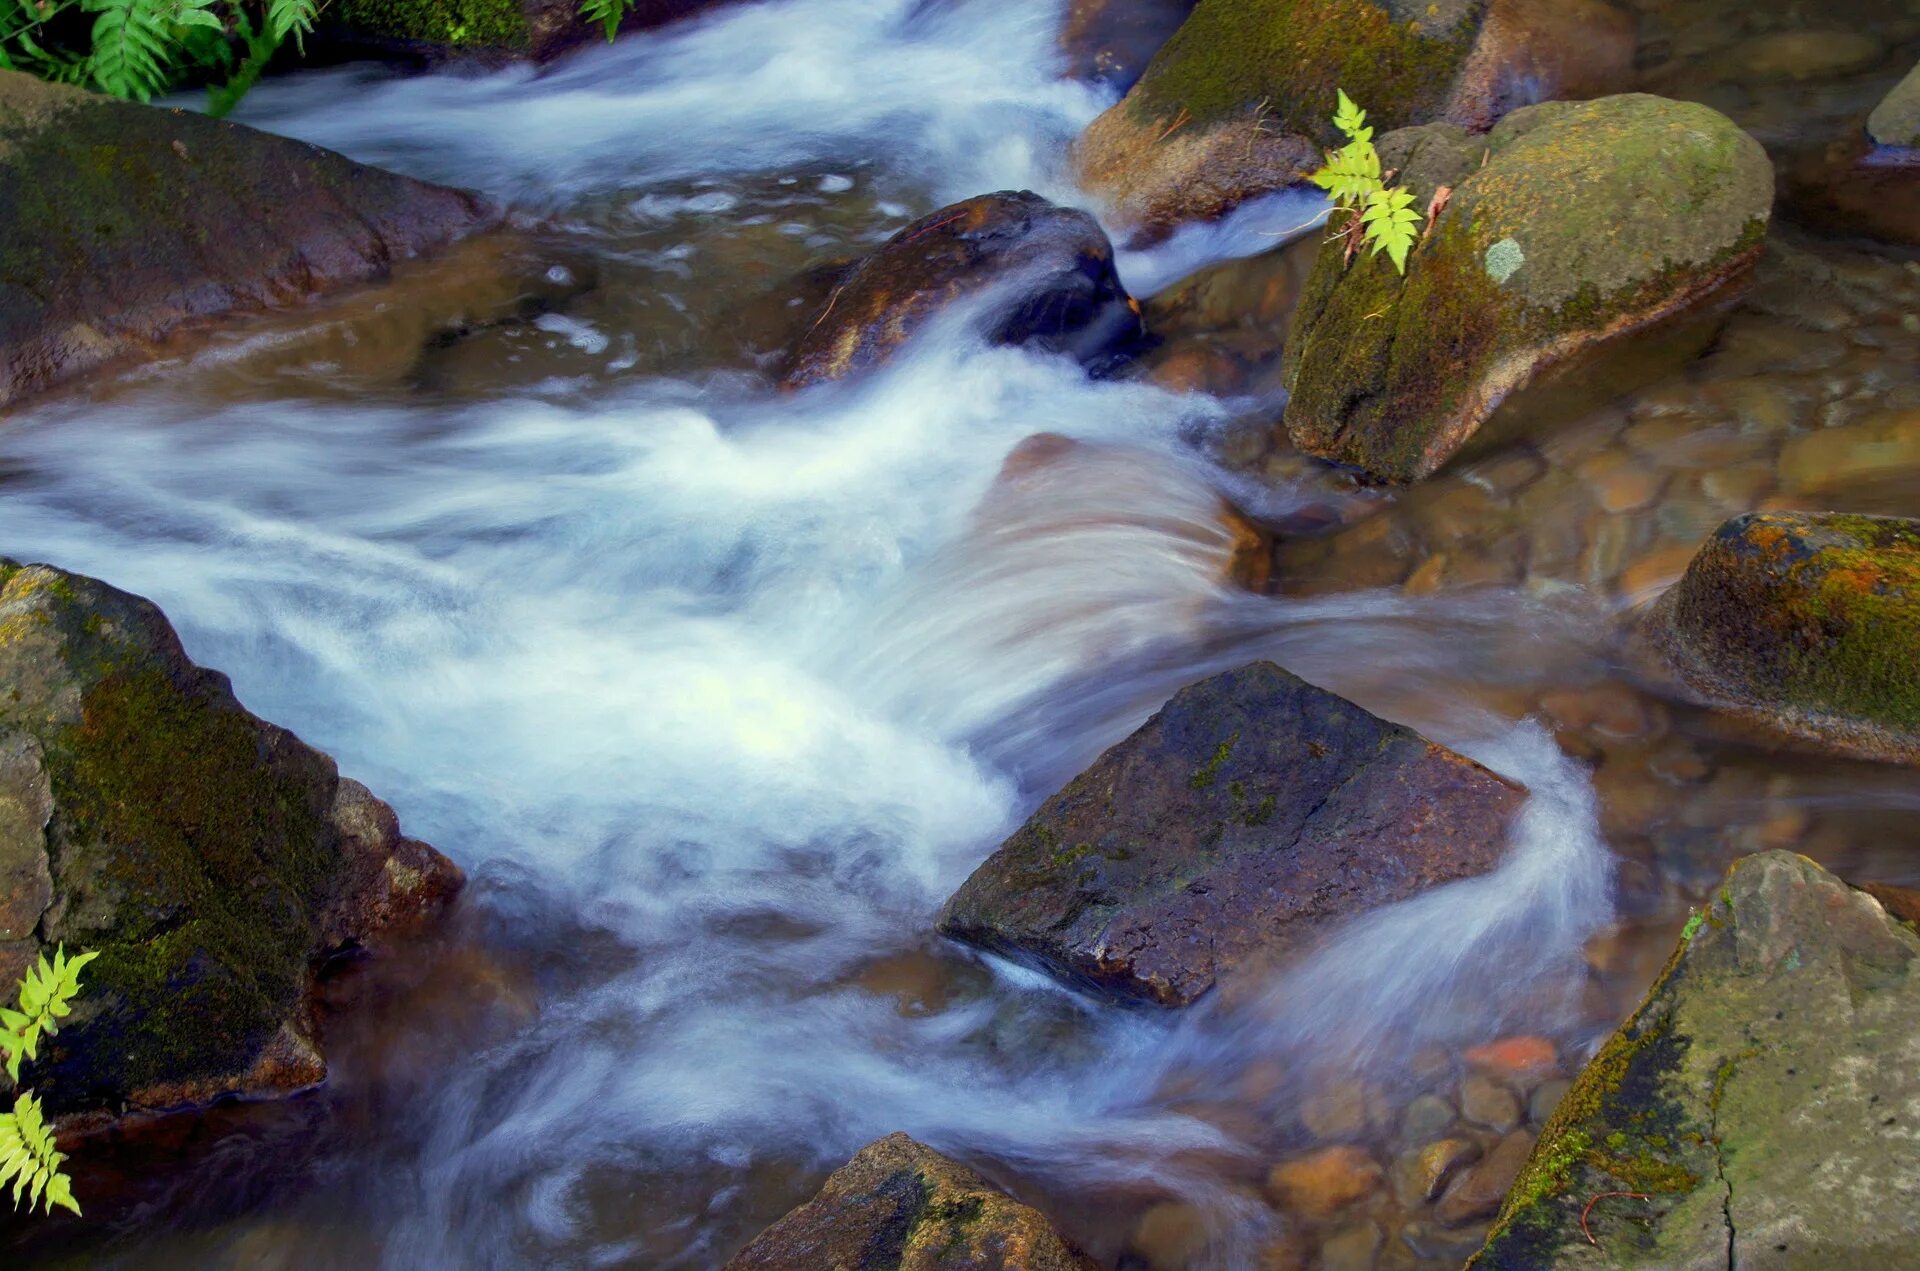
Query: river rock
{"x": 901, "y": 1206}
{"x": 1045, "y": 272}
{"x": 124, "y": 222}
{"x": 1896, "y": 120}
{"x": 1110, "y": 42}
{"x": 1246, "y": 817}
{"x": 1853, "y": 188}
{"x": 1570, "y": 224}
{"x": 1760, "y": 1098}
{"x": 1239, "y": 101}
{"x": 210, "y": 858}
{"x": 1807, "y": 622}
{"x": 486, "y": 31}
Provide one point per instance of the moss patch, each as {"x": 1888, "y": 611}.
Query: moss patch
{"x": 462, "y": 24}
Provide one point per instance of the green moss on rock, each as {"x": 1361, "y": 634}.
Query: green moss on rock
{"x": 1586, "y": 220}
{"x": 453, "y": 24}
{"x": 1810, "y": 621}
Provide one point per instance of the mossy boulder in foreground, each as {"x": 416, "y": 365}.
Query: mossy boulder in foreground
{"x": 1239, "y": 101}
{"x": 1760, "y": 1098}
{"x": 210, "y": 858}
{"x": 120, "y": 223}
{"x": 1239, "y": 823}
{"x": 1043, "y": 274}
{"x": 1569, "y": 223}
{"x": 1808, "y": 622}
{"x": 901, "y": 1206}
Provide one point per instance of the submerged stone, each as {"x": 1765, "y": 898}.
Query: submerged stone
{"x": 1237, "y": 103}
{"x": 208, "y": 857}
{"x": 1043, "y": 275}
{"x": 122, "y": 223}
{"x": 1809, "y": 622}
{"x": 1568, "y": 224}
{"x": 1247, "y": 816}
{"x": 1756, "y": 1104}
{"x": 898, "y": 1205}
{"x": 1896, "y": 120}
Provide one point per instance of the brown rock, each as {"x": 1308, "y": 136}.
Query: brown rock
{"x": 125, "y": 223}
{"x": 1902, "y": 902}
{"x": 1488, "y": 1102}
{"x": 1478, "y": 1192}
{"x": 1111, "y": 41}
{"x": 1518, "y": 1061}
{"x": 1171, "y": 1236}
{"x": 1252, "y": 811}
{"x": 1854, "y": 187}
{"x": 1420, "y": 1173}
{"x": 901, "y": 1206}
{"x": 1322, "y": 1182}
{"x": 1542, "y": 50}
{"x": 1050, "y": 270}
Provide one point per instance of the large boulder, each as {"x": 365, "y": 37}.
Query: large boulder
{"x": 901, "y": 1206}
{"x": 1754, "y": 1112}
{"x": 210, "y": 858}
{"x": 1807, "y": 622}
{"x": 487, "y": 31}
{"x": 1247, "y": 816}
{"x": 122, "y": 223}
{"x": 1045, "y": 273}
{"x": 1237, "y": 103}
{"x": 1568, "y": 224}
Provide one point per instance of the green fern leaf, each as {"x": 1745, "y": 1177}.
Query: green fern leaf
{"x": 1390, "y": 224}
{"x": 29, "y": 1160}
{"x": 46, "y": 997}
{"x": 291, "y": 18}
{"x": 131, "y": 47}
{"x": 607, "y": 13}
{"x": 1348, "y": 117}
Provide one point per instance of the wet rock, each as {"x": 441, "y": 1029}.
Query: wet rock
{"x": 1477, "y": 1193}
{"x": 1045, "y": 272}
{"x": 1760, "y": 1095}
{"x": 485, "y": 31}
{"x": 1344, "y": 1108}
{"x": 1586, "y": 221}
{"x": 127, "y": 222}
{"x": 1487, "y": 1102}
{"x": 1250, "y": 812}
{"x": 1900, "y": 902}
{"x": 901, "y": 1206}
{"x": 1236, "y": 104}
{"x": 209, "y": 857}
{"x": 1111, "y": 41}
{"x": 1545, "y": 1098}
{"x": 1421, "y": 1173}
{"x": 1884, "y": 446}
{"x": 1170, "y": 1236}
{"x": 1896, "y": 120}
{"x": 1807, "y": 622}
{"x": 1424, "y": 1117}
{"x": 1323, "y": 1182}
{"x": 1854, "y": 188}
{"x": 1827, "y": 54}
{"x": 1521, "y": 1061}
{"x": 1352, "y": 1248}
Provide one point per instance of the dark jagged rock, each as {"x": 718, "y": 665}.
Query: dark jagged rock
{"x": 120, "y": 223}
{"x": 1807, "y": 622}
{"x": 210, "y": 858}
{"x": 901, "y": 1206}
{"x": 1568, "y": 225}
{"x": 1244, "y": 818}
{"x": 1111, "y": 41}
{"x": 1049, "y": 272}
{"x": 1758, "y": 1099}
{"x": 1237, "y": 102}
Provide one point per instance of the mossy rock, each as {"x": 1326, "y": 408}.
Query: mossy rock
{"x": 434, "y": 31}
{"x": 1755, "y": 1105}
{"x": 124, "y": 222}
{"x": 899, "y": 1205}
{"x": 1240, "y": 100}
{"x": 1570, "y": 224}
{"x": 1807, "y": 622}
{"x": 208, "y": 857}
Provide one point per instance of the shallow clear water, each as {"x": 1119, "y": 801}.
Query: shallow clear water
{"x": 717, "y": 693}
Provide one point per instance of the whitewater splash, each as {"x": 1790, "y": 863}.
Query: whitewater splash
{"x": 732, "y": 690}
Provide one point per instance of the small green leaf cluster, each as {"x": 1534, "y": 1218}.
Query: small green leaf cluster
{"x": 1380, "y": 217}
{"x": 138, "y": 48}
{"x": 28, "y": 1158}
{"x": 607, "y": 13}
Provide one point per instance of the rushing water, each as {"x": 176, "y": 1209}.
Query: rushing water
{"x": 717, "y": 693}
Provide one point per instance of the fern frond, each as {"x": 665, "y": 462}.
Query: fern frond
{"x": 131, "y": 47}
{"x": 1389, "y": 224}
{"x": 607, "y": 13}
{"x": 1352, "y": 174}
{"x": 1349, "y": 118}
{"x": 291, "y": 18}
{"x": 29, "y": 1160}
{"x": 46, "y": 998}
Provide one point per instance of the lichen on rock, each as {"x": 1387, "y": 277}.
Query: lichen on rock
{"x": 1571, "y": 223}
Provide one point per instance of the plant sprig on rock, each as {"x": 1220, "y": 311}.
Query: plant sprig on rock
{"x": 1378, "y": 216}
{"x": 28, "y": 1158}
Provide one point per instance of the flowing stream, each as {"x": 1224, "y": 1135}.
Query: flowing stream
{"x": 717, "y": 693}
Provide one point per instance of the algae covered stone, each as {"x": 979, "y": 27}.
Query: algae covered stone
{"x": 120, "y": 223}
{"x": 1896, "y": 120}
{"x": 1238, "y": 101}
{"x": 1809, "y": 622}
{"x": 207, "y": 856}
{"x": 1760, "y": 1099}
{"x": 898, "y": 1205}
{"x": 1570, "y": 224}
{"x": 1235, "y": 826}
